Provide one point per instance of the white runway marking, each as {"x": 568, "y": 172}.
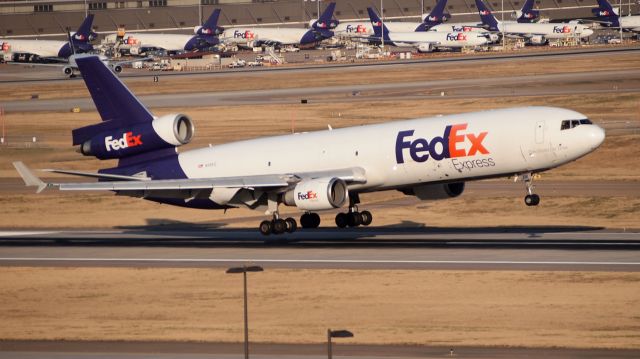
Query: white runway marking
{"x": 23, "y": 233}
{"x": 322, "y": 261}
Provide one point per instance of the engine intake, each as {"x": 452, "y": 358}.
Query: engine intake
{"x": 168, "y": 131}
{"x": 436, "y": 191}
{"x": 318, "y": 194}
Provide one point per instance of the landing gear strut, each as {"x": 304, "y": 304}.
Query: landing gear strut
{"x": 353, "y": 218}
{"x": 277, "y": 225}
{"x": 531, "y": 199}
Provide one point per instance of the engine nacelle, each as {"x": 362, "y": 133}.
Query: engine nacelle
{"x": 537, "y": 40}
{"x": 318, "y": 194}
{"x": 117, "y": 69}
{"x": 168, "y": 131}
{"x": 67, "y": 70}
{"x": 425, "y": 48}
{"x": 436, "y": 191}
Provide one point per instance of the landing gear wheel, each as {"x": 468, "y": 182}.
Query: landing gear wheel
{"x": 279, "y": 226}
{"x": 310, "y": 220}
{"x": 367, "y": 218}
{"x": 265, "y": 228}
{"x": 532, "y": 199}
{"x": 354, "y": 219}
{"x": 342, "y": 220}
{"x": 291, "y": 225}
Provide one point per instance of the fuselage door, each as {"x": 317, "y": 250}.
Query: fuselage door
{"x": 539, "y": 132}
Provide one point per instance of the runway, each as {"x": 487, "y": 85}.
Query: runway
{"x": 363, "y": 248}
{"x": 610, "y": 81}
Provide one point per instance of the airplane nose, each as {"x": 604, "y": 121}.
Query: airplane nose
{"x": 596, "y": 136}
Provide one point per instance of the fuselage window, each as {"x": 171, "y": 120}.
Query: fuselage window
{"x": 586, "y": 121}
{"x": 567, "y": 124}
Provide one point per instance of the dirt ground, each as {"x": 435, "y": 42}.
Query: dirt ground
{"x": 457, "y": 308}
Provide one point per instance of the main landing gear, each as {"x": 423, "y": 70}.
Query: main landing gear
{"x": 531, "y": 199}
{"x": 278, "y": 226}
{"x": 353, "y": 218}
{"x": 310, "y": 220}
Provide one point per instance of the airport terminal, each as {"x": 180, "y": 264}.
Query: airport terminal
{"x": 310, "y": 179}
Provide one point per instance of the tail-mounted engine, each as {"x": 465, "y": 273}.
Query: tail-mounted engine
{"x": 168, "y": 131}
{"x": 318, "y": 194}
{"x": 436, "y": 191}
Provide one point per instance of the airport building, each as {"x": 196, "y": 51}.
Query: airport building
{"x": 43, "y": 17}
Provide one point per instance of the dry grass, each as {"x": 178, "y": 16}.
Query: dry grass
{"x": 501, "y": 308}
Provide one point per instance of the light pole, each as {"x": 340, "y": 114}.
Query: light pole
{"x": 244, "y": 270}
{"x": 336, "y": 334}
{"x": 502, "y": 25}
{"x": 382, "y": 24}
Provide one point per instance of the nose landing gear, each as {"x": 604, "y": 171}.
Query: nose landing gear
{"x": 531, "y": 199}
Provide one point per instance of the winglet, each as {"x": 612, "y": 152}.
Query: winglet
{"x": 30, "y": 179}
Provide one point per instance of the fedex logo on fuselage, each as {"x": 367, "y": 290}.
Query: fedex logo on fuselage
{"x": 131, "y": 41}
{"x": 127, "y": 140}
{"x": 248, "y": 34}
{"x": 307, "y": 195}
{"x": 456, "y": 36}
{"x": 461, "y": 28}
{"x": 561, "y": 29}
{"x": 6, "y": 47}
{"x": 449, "y": 145}
{"x": 359, "y": 29}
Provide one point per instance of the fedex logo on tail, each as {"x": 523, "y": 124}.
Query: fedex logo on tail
{"x": 450, "y": 145}
{"x": 562, "y": 29}
{"x": 307, "y": 195}
{"x": 456, "y": 37}
{"x": 485, "y": 12}
{"x": 127, "y": 140}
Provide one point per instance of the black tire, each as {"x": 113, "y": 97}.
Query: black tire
{"x": 315, "y": 220}
{"x": 279, "y": 226}
{"x": 291, "y": 225}
{"x": 531, "y": 200}
{"x": 342, "y": 220}
{"x": 265, "y": 228}
{"x": 354, "y": 219}
{"x": 367, "y": 218}
{"x": 305, "y": 221}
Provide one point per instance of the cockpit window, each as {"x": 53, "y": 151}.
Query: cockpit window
{"x": 567, "y": 124}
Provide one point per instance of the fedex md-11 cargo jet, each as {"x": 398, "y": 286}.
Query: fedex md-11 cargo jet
{"x": 430, "y": 158}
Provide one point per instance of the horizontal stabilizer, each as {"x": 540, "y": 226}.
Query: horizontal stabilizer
{"x": 29, "y": 178}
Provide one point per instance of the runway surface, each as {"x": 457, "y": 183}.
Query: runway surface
{"x": 362, "y": 248}
{"x": 609, "y": 81}
{"x": 162, "y": 350}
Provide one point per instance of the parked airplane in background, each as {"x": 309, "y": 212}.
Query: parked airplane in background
{"x": 610, "y": 17}
{"x": 34, "y": 50}
{"x": 430, "y": 158}
{"x": 425, "y": 41}
{"x": 258, "y": 36}
{"x": 535, "y": 33}
{"x": 524, "y": 15}
{"x": 205, "y": 37}
{"x": 364, "y": 29}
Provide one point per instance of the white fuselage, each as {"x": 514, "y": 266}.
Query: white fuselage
{"x": 438, "y": 39}
{"x": 247, "y": 36}
{"x": 404, "y": 153}
{"x": 548, "y": 30}
{"x": 168, "y": 42}
{"x": 630, "y": 23}
{"x": 42, "y": 48}
{"x": 364, "y": 28}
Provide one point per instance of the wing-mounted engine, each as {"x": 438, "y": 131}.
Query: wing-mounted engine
{"x": 436, "y": 191}
{"x": 318, "y": 194}
{"x": 537, "y": 40}
{"x": 168, "y": 131}
{"x": 425, "y": 47}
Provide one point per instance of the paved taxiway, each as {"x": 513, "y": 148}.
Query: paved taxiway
{"x": 363, "y": 248}
{"x": 163, "y": 350}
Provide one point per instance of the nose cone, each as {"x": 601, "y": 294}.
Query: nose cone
{"x": 596, "y": 136}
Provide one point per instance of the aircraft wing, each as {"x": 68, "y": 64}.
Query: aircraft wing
{"x": 136, "y": 184}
